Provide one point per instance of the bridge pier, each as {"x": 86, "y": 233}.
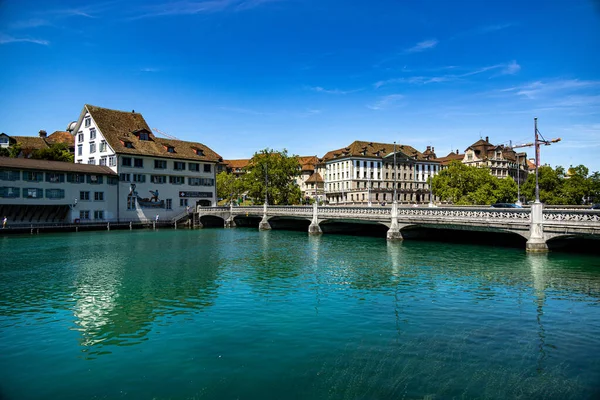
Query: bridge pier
{"x": 229, "y": 222}
{"x": 264, "y": 222}
{"x": 537, "y": 241}
{"x": 394, "y": 234}
{"x": 314, "y": 228}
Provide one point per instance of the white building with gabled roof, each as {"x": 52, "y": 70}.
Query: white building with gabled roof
{"x": 157, "y": 176}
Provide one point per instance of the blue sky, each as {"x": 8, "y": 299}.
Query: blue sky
{"x": 312, "y": 76}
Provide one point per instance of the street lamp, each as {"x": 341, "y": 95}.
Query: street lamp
{"x": 266, "y": 182}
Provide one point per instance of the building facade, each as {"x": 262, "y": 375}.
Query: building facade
{"x": 40, "y": 191}
{"x": 501, "y": 160}
{"x": 364, "y": 173}
{"x": 157, "y": 176}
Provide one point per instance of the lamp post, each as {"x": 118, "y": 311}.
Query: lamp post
{"x": 369, "y": 188}
{"x": 395, "y": 175}
{"x": 266, "y": 182}
{"x": 518, "y": 181}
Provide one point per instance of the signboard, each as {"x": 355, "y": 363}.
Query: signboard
{"x": 204, "y": 195}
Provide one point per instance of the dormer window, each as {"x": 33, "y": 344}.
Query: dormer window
{"x": 144, "y": 136}
{"x": 127, "y": 144}
{"x": 170, "y": 149}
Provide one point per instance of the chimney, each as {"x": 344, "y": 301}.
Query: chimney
{"x": 432, "y": 148}
{"x": 456, "y": 151}
{"x": 43, "y": 133}
{"x": 487, "y": 139}
{"x": 133, "y": 111}
{"x": 428, "y": 148}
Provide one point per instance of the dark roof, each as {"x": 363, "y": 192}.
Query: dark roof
{"x": 316, "y": 177}
{"x": 370, "y": 149}
{"x": 63, "y": 166}
{"x": 119, "y": 127}
{"x": 61, "y": 137}
{"x": 308, "y": 163}
{"x": 242, "y": 163}
{"x": 31, "y": 142}
{"x": 449, "y": 158}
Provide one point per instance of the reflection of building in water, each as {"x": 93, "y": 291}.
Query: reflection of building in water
{"x": 394, "y": 249}
{"x": 95, "y": 295}
{"x": 118, "y": 298}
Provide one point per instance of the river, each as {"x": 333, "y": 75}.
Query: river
{"x": 238, "y": 313}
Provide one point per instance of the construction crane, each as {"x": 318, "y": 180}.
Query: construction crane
{"x": 536, "y": 143}
{"x": 164, "y": 134}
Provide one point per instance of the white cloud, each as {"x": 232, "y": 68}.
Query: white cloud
{"x": 386, "y": 102}
{"x": 320, "y": 89}
{"x": 5, "y": 39}
{"x": 505, "y": 69}
{"x": 191, "y": 7}
{"x": 539, "y": 89}
{"x": 422, "y": 46}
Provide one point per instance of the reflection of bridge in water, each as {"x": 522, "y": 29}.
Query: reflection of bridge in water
{"x": 536, "y": 225}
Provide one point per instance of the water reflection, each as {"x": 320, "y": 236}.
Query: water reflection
{"x": 536, "y": 263}
{"x": 120, "y": 295}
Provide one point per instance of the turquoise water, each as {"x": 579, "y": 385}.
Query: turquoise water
{"x": 228, "y": 314}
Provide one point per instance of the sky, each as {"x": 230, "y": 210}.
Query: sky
{"x": 312, "y": 76}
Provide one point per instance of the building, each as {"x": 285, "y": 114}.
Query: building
{"x": 236, "y": 167}
{"x": 501, "y": 160}
{"x": 157, "y": 176}
{"x": 364, "y": 173}
{"x": 452, "y": 156}
{"x": 28, "y": 144}
{"x": 40, "y": 191}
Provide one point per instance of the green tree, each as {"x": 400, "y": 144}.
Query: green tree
{"x": 56, "y": 152}
{"x": 228, "y": 186}
{"x": 280, "y": 170}
{"x": 550, "y": 182}
{"x": 12, "y": 151}
{"x": 462, "y": 184}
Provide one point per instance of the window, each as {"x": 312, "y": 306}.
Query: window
{"x": 98, "y": 196}
{"x": 55, "y": 177}
{"x": 92, "y": 133}
{"x": 130, "y": 203}
{"x": 125, "y": 177}
{"x": 79, "y": 149}
{"x": 176, "y": 180}
{"x": 88, "y": 121}
{"x": 91, "y": 161}
{"x": 158, "y": 179}
{"x": 55, "y": 193}
{"x": 169, "y": 204}
{"x": 75, "y": 178}
{"x": 9, "y": 175}
{"x": 98, "y": 214}
{"x": 128, "y": 145}
{"x": 33, "y": 176}
{"x": 179, "y": 166}
{"x": 183, "y": 202}
{"x": 139, "y": 178}
{"x": 9, "y": 192}
{"x": 84, "y": 195}
{"x": 32, "y": 193}
{"x": 160, "y": 164}
{"x": 138, "y": 162}
{"x": 207, "y": 168}
{"x": 79, "y": 161}
{"x": 102, "y": 146}
{"x": 84, "y": 214}
{"x": 92, "y": 147}
{"x": 80, "y": 137}
{"x": 144, "y": 136}
{"x": 201, "y": 181}
{"x": 112, "y": 180}
{"x": 112, "y": 161}
{"x": 199, "y": 152}
{"x": 103, "y": 160}
{"x": 195, "y": 167}
{"x": 126, "y": 161}
{"x": 94, "y": 179}
{"x": 170, "y": 149}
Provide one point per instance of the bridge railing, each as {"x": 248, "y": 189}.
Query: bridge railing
{"x": 562, "y": 216}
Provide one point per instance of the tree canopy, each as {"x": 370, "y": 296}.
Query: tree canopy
{"x": 56, "y": 152}
{"x": 557, "y": 186}
{"x": 463, "y": 184}
{"x": 273, "y": 172}
{"x": 228, "y": 186}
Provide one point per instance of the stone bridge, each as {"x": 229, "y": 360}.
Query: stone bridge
{"x": 536, "y": 224}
